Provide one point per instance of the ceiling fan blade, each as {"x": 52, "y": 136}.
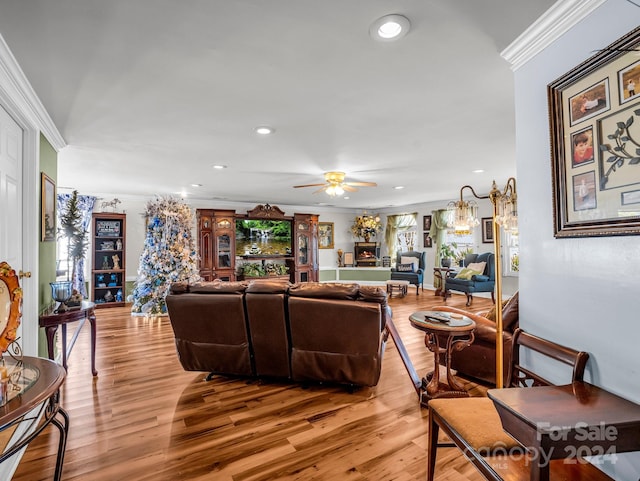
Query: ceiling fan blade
{"x": 307, "y": 185}
{"x": 349, "y": 188}
{"x": 321, "y": 189}
{"x": 362, "y": 184}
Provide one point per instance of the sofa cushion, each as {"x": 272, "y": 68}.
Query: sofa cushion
{"x": 268, "y": 287}
{"x": 410, "y": 260}
{"x": 509, "y": 313}
{"x": 218, "y": 287}
{"x": 372, "y": 294}
{"x": 405, "y": 267}
{"x": 467, "y": 273}
{"x": 477, "y": 266}
{"x": 179, "y": 287}
{"x": 325, "y": 290}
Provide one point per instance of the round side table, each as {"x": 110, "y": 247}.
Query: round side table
{"x": 444, "y": 333}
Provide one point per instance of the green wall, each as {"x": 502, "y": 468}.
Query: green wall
{"x": 47, "y": 250}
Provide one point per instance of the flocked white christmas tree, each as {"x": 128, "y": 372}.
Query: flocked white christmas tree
{"x": 168, "y": 255}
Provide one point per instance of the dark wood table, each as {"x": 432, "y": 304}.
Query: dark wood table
{"x": 443, "y": 338}
{"x": 34, "y": 385}
{"x": 441, "y": 274}
{"x": 567, "y": 422}
{"x": 51, "y": 320}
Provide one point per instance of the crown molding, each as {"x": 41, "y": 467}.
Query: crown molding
{"x": 556, "y": 21}
{"x": 19, "y": 91}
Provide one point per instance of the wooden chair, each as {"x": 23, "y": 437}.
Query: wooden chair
{"x": 473, "y": 423}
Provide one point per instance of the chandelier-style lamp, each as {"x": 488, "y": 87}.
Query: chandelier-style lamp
{"x": 505, "y": 214}
{"x": 463, "y": 214}
{"x": 335, "y": 190}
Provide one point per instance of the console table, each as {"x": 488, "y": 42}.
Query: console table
{"x": 571, "y": 421}
{"x": 51, "y": 320}
{"x": 34, "y": 390}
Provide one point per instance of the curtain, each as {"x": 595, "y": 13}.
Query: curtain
{"x": 439, "y": 220}
{"x": 397, "y": 223}
{"x": 85, "y": 205}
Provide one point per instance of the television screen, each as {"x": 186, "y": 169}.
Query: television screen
{"x": 263, "y": 237}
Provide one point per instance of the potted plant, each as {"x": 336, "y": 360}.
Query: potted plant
{"x": 447, "y": 252}
{"x": 77, "y": 244}
{"x": 462, "y": 254}
{"x": 253, "y": 269}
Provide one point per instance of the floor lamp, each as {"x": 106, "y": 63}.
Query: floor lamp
{"x": 505, "y": 215}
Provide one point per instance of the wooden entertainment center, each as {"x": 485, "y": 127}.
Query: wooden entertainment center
{"x": 217, "y": 243}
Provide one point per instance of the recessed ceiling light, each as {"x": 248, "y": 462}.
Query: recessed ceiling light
{"x": 346, "y": 197}
{"x": 219, "y": 167}
{"x": 389, "y": 28}
{"x": 399, "y": 187}
{"x": 196, "y": 185}
{"x": 264, "y": 130}
{"x": 478, "y": 171}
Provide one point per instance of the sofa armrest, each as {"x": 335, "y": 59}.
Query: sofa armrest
{"x": 485, "y": 328}
{"x": 480, "y": 278}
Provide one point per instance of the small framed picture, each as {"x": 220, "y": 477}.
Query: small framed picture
{"x": 590, "y": 102}
{"x": 582, "y": 147}
{"x": 325, "y": 235}
{"x": 428, "y": 242}
{"x": 48, "y": 208}
{"x": 348, "y": 259}
{"x": 426, "y": 223}
{"x": 487, "y": 230}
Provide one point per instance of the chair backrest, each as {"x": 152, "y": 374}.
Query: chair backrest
{"x": 490, "y": 268}
{"x": 523, "y": 377}
{"x": 421, "y": 256}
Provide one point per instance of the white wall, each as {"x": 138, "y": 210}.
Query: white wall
{"x": 579, "y": 292}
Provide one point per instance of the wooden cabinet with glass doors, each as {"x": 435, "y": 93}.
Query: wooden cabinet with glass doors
{"x": 216, "y": 244}
{"x": 304, "y": 266}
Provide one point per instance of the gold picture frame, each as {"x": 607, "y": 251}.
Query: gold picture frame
{"x": 48, "y": 208}
{"x": 597, "y": 106}
{"x": 325, "y": 235}
{"x": 10, "y": 305}
{"x": 348, "y": 259}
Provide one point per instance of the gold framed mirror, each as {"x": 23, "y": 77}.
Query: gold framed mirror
{"x": 10, "y": 305}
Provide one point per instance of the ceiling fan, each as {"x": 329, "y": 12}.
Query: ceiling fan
{"x": 335, "y": 185}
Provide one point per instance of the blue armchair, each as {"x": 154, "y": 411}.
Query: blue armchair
{"x": 415, "y": 276}
{"x": 484, "y": 282}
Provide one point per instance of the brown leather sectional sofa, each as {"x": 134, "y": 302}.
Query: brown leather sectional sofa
{"x": 322, "y": 332}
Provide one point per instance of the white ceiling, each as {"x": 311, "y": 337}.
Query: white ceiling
{"x": 149, "y": 94}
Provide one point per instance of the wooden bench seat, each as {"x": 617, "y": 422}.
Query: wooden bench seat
{"x": 474, "y": 426}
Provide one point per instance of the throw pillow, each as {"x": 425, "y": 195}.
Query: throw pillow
{"x": 405, "y": 268}
{"x": 509, "y": 313}
{"x": 410, "y": 260}
{"x": 467, "y": 273}
{"x": 491, "y": 313}
{"x": 477, "y": 266}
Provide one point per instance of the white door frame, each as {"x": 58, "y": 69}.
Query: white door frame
{"x": 18, "y": 98}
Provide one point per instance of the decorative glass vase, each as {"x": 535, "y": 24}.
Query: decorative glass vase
{"x": 61, "y": 292}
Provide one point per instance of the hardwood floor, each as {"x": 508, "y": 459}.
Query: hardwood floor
{"x": 144, "y": 418}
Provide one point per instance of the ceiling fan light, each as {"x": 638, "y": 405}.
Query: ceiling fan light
{"x": 331, "y": 190}
{"x": 338, "y": 190}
